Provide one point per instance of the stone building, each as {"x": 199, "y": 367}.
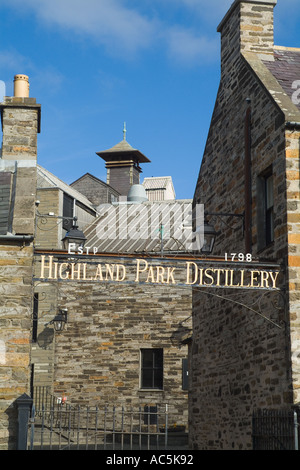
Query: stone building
{"x": 20, "y": 116}
{"x": 129, "y": 300}
{"x": 246, "y": 344}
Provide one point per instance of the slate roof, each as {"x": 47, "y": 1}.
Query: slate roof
{"x": 45, "y": 179}
{"x": 5, "y": 196}
{"x": 286, "y": 69}
{"x": 121, "y": 150}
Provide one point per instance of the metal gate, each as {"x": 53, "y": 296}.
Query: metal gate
{"x": 64, "y": 427}
{"x": 275, "y": 430}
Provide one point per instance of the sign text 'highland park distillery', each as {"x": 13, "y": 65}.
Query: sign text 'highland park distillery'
{"x": 187, "y": 273}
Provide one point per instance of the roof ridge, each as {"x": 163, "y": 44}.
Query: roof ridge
{"x": 287, "y": 48}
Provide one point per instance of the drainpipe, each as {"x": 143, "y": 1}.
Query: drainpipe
{"x": 248, "y": 181}
{"x": 296, "y": 425}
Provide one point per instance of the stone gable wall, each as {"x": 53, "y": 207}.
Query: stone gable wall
{"x": 243, "y": 356}
{"x": 97, "y": 192}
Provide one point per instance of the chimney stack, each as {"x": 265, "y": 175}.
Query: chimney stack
{"x": 247, "y": 27}
{"x": 20, "y": 116}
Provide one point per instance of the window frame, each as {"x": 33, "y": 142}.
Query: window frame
{"x": 68, "y": 211}
{"x": 156, "y": 369}
{"x": 265, "y": 209}
{"x": 269, "y": 208}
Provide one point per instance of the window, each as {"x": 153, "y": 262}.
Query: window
{"x": 269, "y": 212}
{"x": 68, "y": 212}
{"x": 265, "y": 209}
{"x": 152, "y": 368}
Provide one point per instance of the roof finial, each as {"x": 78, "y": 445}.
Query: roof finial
{"x": 124, "y": 131}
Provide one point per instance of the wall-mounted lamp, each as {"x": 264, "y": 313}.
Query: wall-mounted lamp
{"x": 60, "y": 319}
{"x": 74, "y": 236}
{"x": 209, "y": 239}
{"x": 210, "y": 233}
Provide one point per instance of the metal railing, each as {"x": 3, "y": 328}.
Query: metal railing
{"x": 57, "y": 425}
{"x": 94, "y": 428}
{"x": 275, "y": 429}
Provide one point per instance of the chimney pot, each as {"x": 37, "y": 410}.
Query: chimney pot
{"x": 21, "y": 86}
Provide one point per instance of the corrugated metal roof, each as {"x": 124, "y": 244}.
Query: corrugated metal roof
{"x": 158, "y": 182}
{"x": 137, "y": 228}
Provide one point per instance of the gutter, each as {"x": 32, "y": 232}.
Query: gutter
{"x": 292, "y": 125}
{"x": 17, "y": 238}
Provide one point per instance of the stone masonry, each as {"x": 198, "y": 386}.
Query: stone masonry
{"x": 245, "y": 355}
{"x": 96, "y": 359}
{"x": 20, "y": 124}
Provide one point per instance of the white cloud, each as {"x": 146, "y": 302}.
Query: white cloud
{"x": 125, "y": 31}
{"x": 107, "y": 21}
{"x": 187, "y": 47}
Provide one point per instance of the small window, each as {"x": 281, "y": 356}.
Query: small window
{"x": 68, "y": 212}
{"x": 269, "y": 204}
{"x": 265, "y": 209}
{"x": 152, "y": 368}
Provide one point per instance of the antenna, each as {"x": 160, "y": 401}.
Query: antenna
{"x": 124, "y": 131}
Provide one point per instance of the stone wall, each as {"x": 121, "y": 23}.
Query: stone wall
{"x": 16, "y": 283}
{"x": 97, "y": 356}
{"x": 15, "y": 328}
{"x": 21, "y": 123}
{"x": 49, "y": 231}
{"x": 95, "y": 190}
{"x": 292, "y": 154}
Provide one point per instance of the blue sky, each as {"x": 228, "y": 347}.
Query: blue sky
{"x": 95, "y": 64}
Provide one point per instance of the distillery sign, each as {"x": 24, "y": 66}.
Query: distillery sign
{"x": 187, "y": 273}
